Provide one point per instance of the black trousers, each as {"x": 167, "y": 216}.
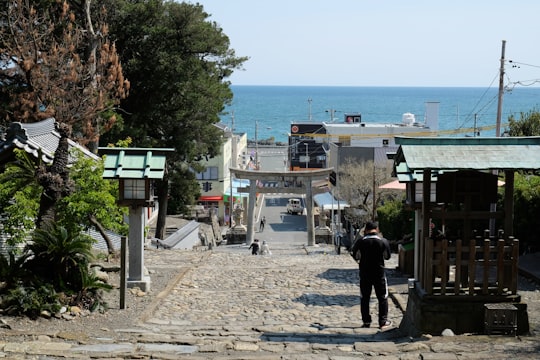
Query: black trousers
{"x": 377, "y": 282}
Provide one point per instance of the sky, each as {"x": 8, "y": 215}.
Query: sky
{"x": 381, "y": 42}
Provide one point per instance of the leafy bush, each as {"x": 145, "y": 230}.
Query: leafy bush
{"x": 395, "y": 222}
{"x": 52, "y": 271}
{"x": 61, "y": 257}
{"x": 12, "y": 270}
{"x": 31, "y": 300}
{"x": 527, "y": 211}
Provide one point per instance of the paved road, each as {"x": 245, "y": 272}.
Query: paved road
{"x": 273, "y": 158}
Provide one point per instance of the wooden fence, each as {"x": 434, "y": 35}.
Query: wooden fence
{"x": 489, "y": 268}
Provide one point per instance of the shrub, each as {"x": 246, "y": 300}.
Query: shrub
{"x": 61, "y": 257}
{"x": 395, "y": 221}
{"x": 52, "y": 271}
{"x": 31, "y": 300}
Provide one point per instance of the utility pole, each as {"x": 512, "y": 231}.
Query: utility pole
{"x": 493, "y": 206}
{"x": 501, "y": 91}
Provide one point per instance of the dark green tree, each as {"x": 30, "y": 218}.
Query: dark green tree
{"x": 526, "y": 186}
{"x": 527, "y": 211}
{"x": 528, "y": 124}
{"x": 178, "y": 63}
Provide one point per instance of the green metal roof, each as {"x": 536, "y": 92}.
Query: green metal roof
{"x": 134, "y": 163}
{"x": 501, "y": 153}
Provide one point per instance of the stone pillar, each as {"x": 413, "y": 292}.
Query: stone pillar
{"x": 251, "y": 210}
{"x": 136, "y": 276}
{"x": 309, "y": 214}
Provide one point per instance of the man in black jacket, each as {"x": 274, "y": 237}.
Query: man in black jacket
{"x": 370, "y": 251}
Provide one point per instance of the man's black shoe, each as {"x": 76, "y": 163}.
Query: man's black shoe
{"x": 366, "y": 325}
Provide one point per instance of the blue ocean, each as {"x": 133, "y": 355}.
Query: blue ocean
{"x": 267, "y": 111}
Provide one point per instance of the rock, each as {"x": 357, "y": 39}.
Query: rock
{"x": 447, "y": 332}
{"x": 4, "y": 324}
{"x": 78, "y": 336}
{"x": 45, "y": 314}
{"x": 75, "y": 310}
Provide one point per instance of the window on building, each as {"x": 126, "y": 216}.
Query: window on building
{"x": 211, "y": 173}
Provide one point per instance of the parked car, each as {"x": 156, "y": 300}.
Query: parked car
{"x": 294, "y": 206}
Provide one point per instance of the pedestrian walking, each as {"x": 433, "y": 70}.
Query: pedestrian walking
{"x": 254, "y": 247}
{"x": 265, "y": 249}
{"x": 370, "y": 251}
{"x": 262, "y": 223}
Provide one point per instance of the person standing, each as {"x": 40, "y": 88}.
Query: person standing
{"x": 265, "y": 249}
{"x": 262, "y": 224}
{"x": 370, "y": 251}
{"x": 254, "y": 247}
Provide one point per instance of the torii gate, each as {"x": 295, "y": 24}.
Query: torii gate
{"x": 290, "y": 182}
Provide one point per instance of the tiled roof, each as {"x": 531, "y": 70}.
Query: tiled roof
{"x": 35, "y": 136}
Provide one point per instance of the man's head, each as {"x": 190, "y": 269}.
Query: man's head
{"x": 371, "y": 226}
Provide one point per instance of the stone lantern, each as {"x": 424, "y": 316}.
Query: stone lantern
{"x": 136, "y": 169}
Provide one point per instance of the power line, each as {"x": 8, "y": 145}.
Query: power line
{"x": 518, "y": 64}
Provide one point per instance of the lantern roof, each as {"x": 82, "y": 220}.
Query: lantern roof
{"x": 134, "y": 163}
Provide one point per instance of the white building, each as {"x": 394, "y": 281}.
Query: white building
{"x": 216, "y": 181}
{"x": 354, "y": 132}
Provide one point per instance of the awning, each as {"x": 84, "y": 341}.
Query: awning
{"x": 393, "y": 185}
{"x": 396, "y": 185}
{"x": 211, "y": 198}
{"x": 236, "y": 197}
{"x": 326, "y": 201}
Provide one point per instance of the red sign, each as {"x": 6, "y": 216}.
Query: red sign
{"x": 294, "y": 129}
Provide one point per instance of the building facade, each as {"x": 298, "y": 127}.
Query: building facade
{"x": 219, "y": 189}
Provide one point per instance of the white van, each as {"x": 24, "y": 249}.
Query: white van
{"x": 294, "y": 206}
